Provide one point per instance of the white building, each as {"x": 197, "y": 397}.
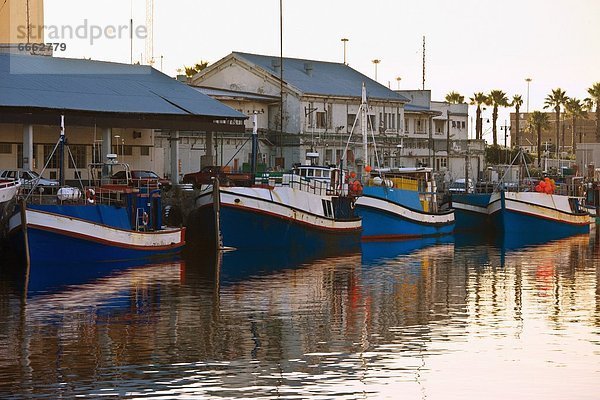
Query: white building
{"x": 320, "y": 103}
{"x": 437, "y": 135}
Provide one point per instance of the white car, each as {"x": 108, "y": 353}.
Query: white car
{"x": 27, "y": 177}
{"x": 458, "y": 186}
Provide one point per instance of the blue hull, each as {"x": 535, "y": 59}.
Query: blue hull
{"x": 471, "y": 219}
{"x": 246, "y": 229}
{"x": 49, "y": 248}
{"x": 513, "y": 223}
{"x": 381, "y": 224}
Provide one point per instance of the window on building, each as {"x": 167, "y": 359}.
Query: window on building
{"x": 350, "y": 121}
{"x": 463, "y": 123}
{"x": 371, "y": 122}
{"x": 321, "y": 120}
{"x": 79, "y": 155}
{"x": 5, "y": 148}
{"x": 47, "y": 153}
{"x": 145, "y": 151}
{"x": 329, "y": 156}
{"x": 20, "y": 156}
{"x": 439, "y": 126}
{"x": 443, "y": 162}
{"x": 122, "y": 150}
{"x": 406, "y": 126}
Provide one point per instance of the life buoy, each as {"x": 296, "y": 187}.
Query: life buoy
{"x": 90, "y": 195}
{"x": 355, "y": 188}
{"x": 145, "y": 218}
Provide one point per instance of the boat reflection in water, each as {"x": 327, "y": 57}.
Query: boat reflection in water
{"x": 373, "y": 252}
{"x": 48, "y": 277}
{"x": 391, "y": 320}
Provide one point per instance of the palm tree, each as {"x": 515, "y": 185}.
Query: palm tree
{"x": 594, "y": 92}
{"x": 455, "y": 98}
{"x": 555, "y": 100}
{"x": 517, "y": 102}
{"x": 477, "y": 100}
{"x": 539, "y": 120}
{"x": 496, "y": 98}
{"x": 190, "y": 72}
{"x": 575, "y": 109}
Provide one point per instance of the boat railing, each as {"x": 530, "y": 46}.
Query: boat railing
{"x": 402, "y": 183}
{"x": 322, "y": 188}
{"x": 91, "y": 195}
{"x": 7, "y": 184}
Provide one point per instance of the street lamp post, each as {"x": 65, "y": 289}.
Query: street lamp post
{"x": 528, "y": 80}
{"x": 345, "y": 40}
{"x": 376, "y": 62}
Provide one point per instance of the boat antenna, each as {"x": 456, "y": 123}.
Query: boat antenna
{"x": 61, "y": 160}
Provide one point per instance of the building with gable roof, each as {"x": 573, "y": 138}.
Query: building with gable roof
{"x": 320, "y": 101}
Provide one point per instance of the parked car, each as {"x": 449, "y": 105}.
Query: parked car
{"x": 458, "y": 186}
{"x": 27, "y": 177}
{"x": 205, "y": 177}
{"x": 141, "y": 178}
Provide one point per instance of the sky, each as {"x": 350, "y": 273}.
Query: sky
{"x": 471, "y": 45}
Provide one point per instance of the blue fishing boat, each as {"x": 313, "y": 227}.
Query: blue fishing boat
{"x": 471, "y": 211}
{"x": 402, "y": 205}
{"x": 535, "y": 213}
{"x": 304, "y": 210}
{"x": 294, "y": 213}
{"x": 105, "y": 221}
{"x": 398, "y": 203}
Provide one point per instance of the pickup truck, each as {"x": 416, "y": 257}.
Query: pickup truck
{"x": 206, "y": 175}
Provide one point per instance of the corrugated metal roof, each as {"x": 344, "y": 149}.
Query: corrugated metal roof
{"x": 84, "y": 85}
{"x": 326, "y": 78}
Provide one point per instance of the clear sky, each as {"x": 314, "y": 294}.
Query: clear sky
{"x": 472, "y": 45}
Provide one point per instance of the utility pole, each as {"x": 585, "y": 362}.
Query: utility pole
{"x": 448, "y": 140}
{"x": 423, "y": 62}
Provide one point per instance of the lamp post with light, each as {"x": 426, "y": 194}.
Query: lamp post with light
{"x": 345, "y": 40}
{"x": 376, "y": 62}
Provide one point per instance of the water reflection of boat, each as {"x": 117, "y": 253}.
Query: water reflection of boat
{"x": 375, "y": 251}
{"x": 53, "y": 277}
{"x": 238, "y": 265}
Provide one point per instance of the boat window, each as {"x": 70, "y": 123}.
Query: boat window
{"x": 310, "y": 172}
{"x": 318, "y": 173}
{"x": 302, "y": 172}
{"x": 327, "y": 208}
{"x": 575, "y": 205}
{"x": 326, "y": 174}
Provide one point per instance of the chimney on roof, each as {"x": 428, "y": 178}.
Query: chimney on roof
{"x": 276, "y": 65}
{"x": 308, "y": 68}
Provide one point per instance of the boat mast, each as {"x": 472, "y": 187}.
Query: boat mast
{"x": 254, "y": 144}
{"x": 363, "y": 127}
{"x": 62, "y": 152}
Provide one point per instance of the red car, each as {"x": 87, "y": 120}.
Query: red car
{"x": 205, "y": 177}
{"x": 142, "y": 178}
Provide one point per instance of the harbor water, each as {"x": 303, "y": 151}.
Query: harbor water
{"x": 450, "y": 318}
